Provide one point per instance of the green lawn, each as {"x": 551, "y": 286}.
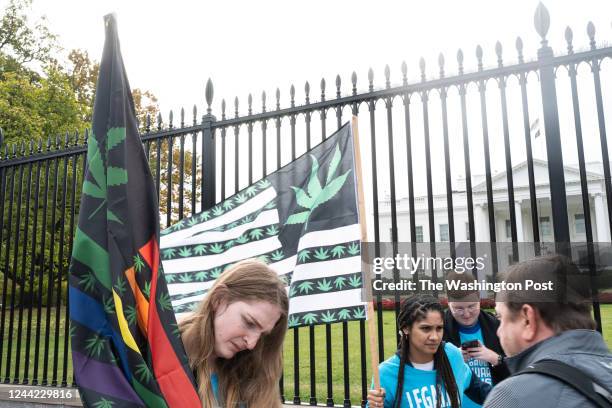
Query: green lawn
{"x": 354, "y": 347}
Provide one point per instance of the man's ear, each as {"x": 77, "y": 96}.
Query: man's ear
{"x": 531, "y": 320}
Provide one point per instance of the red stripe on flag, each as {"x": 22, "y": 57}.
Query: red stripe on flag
{"x": 174, "y": 383}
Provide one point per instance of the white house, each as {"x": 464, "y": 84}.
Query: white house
{"x": 522, "y": 205}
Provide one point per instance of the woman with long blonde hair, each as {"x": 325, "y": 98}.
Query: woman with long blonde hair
{"x": 234, "y": 339}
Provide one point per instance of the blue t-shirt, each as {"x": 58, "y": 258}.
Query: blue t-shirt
{"x": 214, "y": 381}
{"x": 420, "y": 385}
{"x": 481, "y": 368}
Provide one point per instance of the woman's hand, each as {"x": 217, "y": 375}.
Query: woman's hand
{"x": 376, "y": 398}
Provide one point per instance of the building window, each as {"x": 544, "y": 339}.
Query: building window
{"x": 467, "y": 231}
{"x": 443, "y": 232}
{"x": 419, "y": 233}
{"x": 545, "y": 226}
{"x": 579, "y": 223}
{"x": 508, "y": 229}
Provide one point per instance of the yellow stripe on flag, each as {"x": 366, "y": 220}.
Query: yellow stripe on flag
{"x": 142, "y": 304}
{"x": 123, "y": 324}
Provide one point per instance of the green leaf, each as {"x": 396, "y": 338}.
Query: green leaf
{"x": 339, "y": 282}
{"x": 215, "y": 273}
{"x": 264, "y": 184}
{"x": 138, "y": 263}
{"x": 114, "y": 136}
{"x": 143, "y": 373}
{"x": 164, "y": 302}
{"x": 120, "y": 286}
{"x": 324, "y": 285}
{"x": 256, "y": 233}
{"x": 298, "y": 218}
{"x": 333, "y": 165}
{"x": 277, "y": 255}
{"x": 94, "y": 345}
{"x": 243, "y": 239}
{"x": 170, "y": 277}
{"x": 88, "y": 281}
{"x": 344, "y": 314}
{"x": 185, "y": 278}
{"x": 95, "y": 165}
{"x": 228, "y": 205}
{"x": 293, "y": 321}
{"x": 305, "y": 287}
{"x": 302, "y": 198}
{"x": 216, "y": 248}
{"x": 201, "y": 276}
{"x": 116, "y": 176}
{"x": 130, "y": 314}
{"x": 338, "y": 251}
{"x": 272, "y": 230}
{"x": 321, "y": 254}
{"x": 168, "y": 253}
{"x": 314, "y": 185}
{"x": 251, "y": 191}
{"x": 199, "y": 249}
{"x": 217, "y": 211}
{"x": 109, "y": 305}
{"x": 304, "y": 255}
{"x": 328, "y": 317}
{"x": 147, "y": 289}
{"x": 359, "y": 314}
{"x": 309, "y": 318}
{"x": 331, "y": 189}
{"x": 240, "y": 198}
{"x": 353, "y": 249}
{"x": 185, "y": 252}
{"x": 355, "y": 281}
{"x": 92, "y": 190}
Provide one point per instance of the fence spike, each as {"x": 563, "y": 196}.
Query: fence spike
{"x": 14, "y": 152}
{"x": 86, "y": 137}
{"x": 209, "y": 92}
{"x": 307, "y": 92}
{"x": 223, "y": 105}
{"x": 195, "y": 114}
{"x": 277, "y": 98}
{"x": 338, "y": 83}
{"x": 1, "y": 137}
{"x": 441, "y": 64}
{"x": 387, "y": 76}
{"x": 182, "y": 117}
{"x": 292, "y": 95}
{"x": 460, "y": 60}
{"x": 6, "y": 151}
{"x": 541, "y": 20}
{"x": 422, "y": 68}
{"x": 31, "y": 152}
{"x": 171, "y": 117}
{"x": 498, "y": 52}
{"x": 371, "y": 79}
{"x": 354, "y": 82}
{"x": 148, "y": 123}
{"x": 58, "y": 142}
{"x": 76, "y": 138}
{"x": 569, "y": 37}
{"x": 519, "y": 48}
{"x": 22, "y": 151}
{"x": 591, "y": 34}
{"x": 263, "y": 101}
{"x": 66, "y": 140}
{"x": 159, "y": 121}
{"x": 479, "y": 57}
{"x": 40, "y": 145}
{"x": 236, "y": 105}
{"x": 322, "y": 89}
{"x": 404, "y": 73}
{"x": 250, "y": 103}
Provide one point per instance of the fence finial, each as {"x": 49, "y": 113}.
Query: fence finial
{"x": 209, "y": 93}
{"x": 422, "y": 68}
{"x": 338, "y": 83}
{"x": 250, "y": 103}
{"x": 541, "y": 20}
{"x": 371, "y": 79}
{"x": 387, "y": 76}
{"x": 236, "y": 105}
{"x": 460, "y": 60}
{"x": 263, "y": 101}
{"x": 277, "y": 98}
{"x": 479, "y": 57}
{"x": 223, "y": 105}
{"x": 170, "y": 117}
{"x": 354, "y": 82}
{"x": 569, "y": 37}
{"x": 292, "y": 95}
{"x": 39, "y": 149}
{"x": 195, "y": 114}
{"x": 498, "y": 52}
{"x": 307, "y": 92}
{"x": 591, "y": 34}
{"x": 519, "y": 49}
{"x": 1, "y": 137}
{"x": 322, "y": 89}
{"x": 182, "y": 117}
{"x": 404, "y": 73}
{"x": 441, "y": 64}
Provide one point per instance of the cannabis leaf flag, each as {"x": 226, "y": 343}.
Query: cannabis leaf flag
{"x": 126, "y": 349}
{"x": 302, "y": 220}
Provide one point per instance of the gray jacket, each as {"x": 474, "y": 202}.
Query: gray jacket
{"x": 583, "y": 349}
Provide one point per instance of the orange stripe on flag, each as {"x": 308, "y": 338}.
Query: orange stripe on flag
{"x": 173, "y": 381}
{"x": 142, "y": 304}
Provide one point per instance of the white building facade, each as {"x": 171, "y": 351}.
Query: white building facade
{"x": 522, "y": 206}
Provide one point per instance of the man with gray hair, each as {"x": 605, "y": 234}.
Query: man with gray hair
{"x": 556, "y": 357}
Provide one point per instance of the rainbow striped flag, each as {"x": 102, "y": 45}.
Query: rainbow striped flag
{"x": 126, "y": 348}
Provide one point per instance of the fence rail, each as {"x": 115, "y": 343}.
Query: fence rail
{"x": 414, "y": 141}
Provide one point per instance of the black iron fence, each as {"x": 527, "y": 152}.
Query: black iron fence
{"x": 415, "y": 138}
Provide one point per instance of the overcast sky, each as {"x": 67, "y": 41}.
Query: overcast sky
{"x": 171, "y": 48}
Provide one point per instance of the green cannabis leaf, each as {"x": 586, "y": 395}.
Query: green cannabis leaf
{"x": 317, "y": 194}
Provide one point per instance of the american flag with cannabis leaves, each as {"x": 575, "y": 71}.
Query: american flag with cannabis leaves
{"x": 302, "y": 220}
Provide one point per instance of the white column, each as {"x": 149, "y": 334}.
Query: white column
{"x": 519, "y": 222}
{"x": 600, "y": 220}
{"x": 481, "y": 223}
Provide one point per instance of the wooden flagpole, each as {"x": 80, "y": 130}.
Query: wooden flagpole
{"x": 364, "y": 238}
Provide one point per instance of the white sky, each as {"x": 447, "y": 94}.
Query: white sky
{"x": 172, "y": 48}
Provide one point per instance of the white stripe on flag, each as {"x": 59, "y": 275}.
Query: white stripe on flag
{"x": 263, "y": 219}
{"x": 325, "y": 301}
{"x": 284, "y": 266}
{"x": 234, "y": 254}
{"x": 249, "y": 206}
{"x": 330, "y": 237}
{"x": 182, "y": 288}
{"x": 325, "y": 269}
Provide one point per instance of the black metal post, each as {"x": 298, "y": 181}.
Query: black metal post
{"x": 209, "y": 192}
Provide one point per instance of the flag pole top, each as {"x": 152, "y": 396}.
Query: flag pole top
{"x": 110, "y": 18}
